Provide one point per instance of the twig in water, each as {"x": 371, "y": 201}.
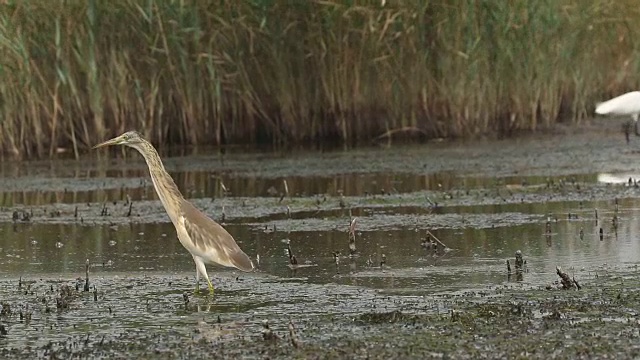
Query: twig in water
{"x": 565, "y": 280}
{"x": 428, "y": 243}
{"x": 352, "y": 237}
{"x": 369, "y": 262}
{"x": 86, "y": 282}
{"x": 292, "y": 258}
{"x": 104, "y": 211}
{"x": 292, "y": 334}
{"x": 342, "y": 202}
{"x": 519, "y": 261}
{"x": 548, "y": 227}
{"x": 429, "y": 233}
{"x": 576, "y": 283}
{"x": 224, "y": 188}
{"x": 267, "y": 333}
{"x": 431, "y": 203}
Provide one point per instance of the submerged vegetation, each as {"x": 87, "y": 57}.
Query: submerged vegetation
{"x": 184, "y": 72}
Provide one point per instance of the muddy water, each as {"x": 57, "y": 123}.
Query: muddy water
{"x": 547, "y": 196}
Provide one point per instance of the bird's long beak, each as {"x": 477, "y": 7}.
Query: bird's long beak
{"x": 114, "y": 141}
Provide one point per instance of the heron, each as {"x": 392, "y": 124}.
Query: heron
{"x": 625, "y": 104}
{"x": 206, "y": 240}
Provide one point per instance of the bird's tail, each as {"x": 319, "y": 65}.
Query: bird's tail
{"x": 241, "y": 261}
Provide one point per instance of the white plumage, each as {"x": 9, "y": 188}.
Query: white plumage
{"x": 625, "y": 104}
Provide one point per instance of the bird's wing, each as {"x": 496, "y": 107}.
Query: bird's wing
{"x": 208, "y": 235}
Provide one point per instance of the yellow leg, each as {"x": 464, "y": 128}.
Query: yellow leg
{"x": 197, "y": 290}
{"x": 202, "y": 270}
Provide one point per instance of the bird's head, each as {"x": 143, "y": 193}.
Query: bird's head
{"x": 130, "y": 138}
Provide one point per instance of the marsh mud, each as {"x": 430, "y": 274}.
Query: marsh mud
{"x": 566, "y": 199}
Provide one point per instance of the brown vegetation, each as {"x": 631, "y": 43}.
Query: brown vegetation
{"x": 73, "y": 73}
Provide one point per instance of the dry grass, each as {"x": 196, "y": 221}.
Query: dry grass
{"x": 186, "y": 72}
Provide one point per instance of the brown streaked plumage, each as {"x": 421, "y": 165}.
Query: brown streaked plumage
{"x": 206, "y": 240}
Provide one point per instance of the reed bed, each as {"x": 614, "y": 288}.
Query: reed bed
{"x": 73, "y": 73}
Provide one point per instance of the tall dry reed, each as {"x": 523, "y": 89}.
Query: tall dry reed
{"x": 187, "y": 72}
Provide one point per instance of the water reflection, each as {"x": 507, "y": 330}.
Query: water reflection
{"x": 483, "y": 236}
{"x": 479, "y": 256}
{"x": 619, "y": 178}
{"x": 97, "y": 186}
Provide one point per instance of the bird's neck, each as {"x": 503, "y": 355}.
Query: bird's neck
{"x": 163, "y": 183}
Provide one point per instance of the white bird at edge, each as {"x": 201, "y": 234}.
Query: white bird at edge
{"x": 625, "y": 104}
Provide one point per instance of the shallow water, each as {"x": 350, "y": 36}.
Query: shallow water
{"x": 484, "y": 201}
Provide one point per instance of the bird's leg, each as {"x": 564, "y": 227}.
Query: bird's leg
{"x": 202, "y": 270}
{"x": 197, "y": 290}
{"x": 210, "y": 287}
{"x": 626, "y": 128}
